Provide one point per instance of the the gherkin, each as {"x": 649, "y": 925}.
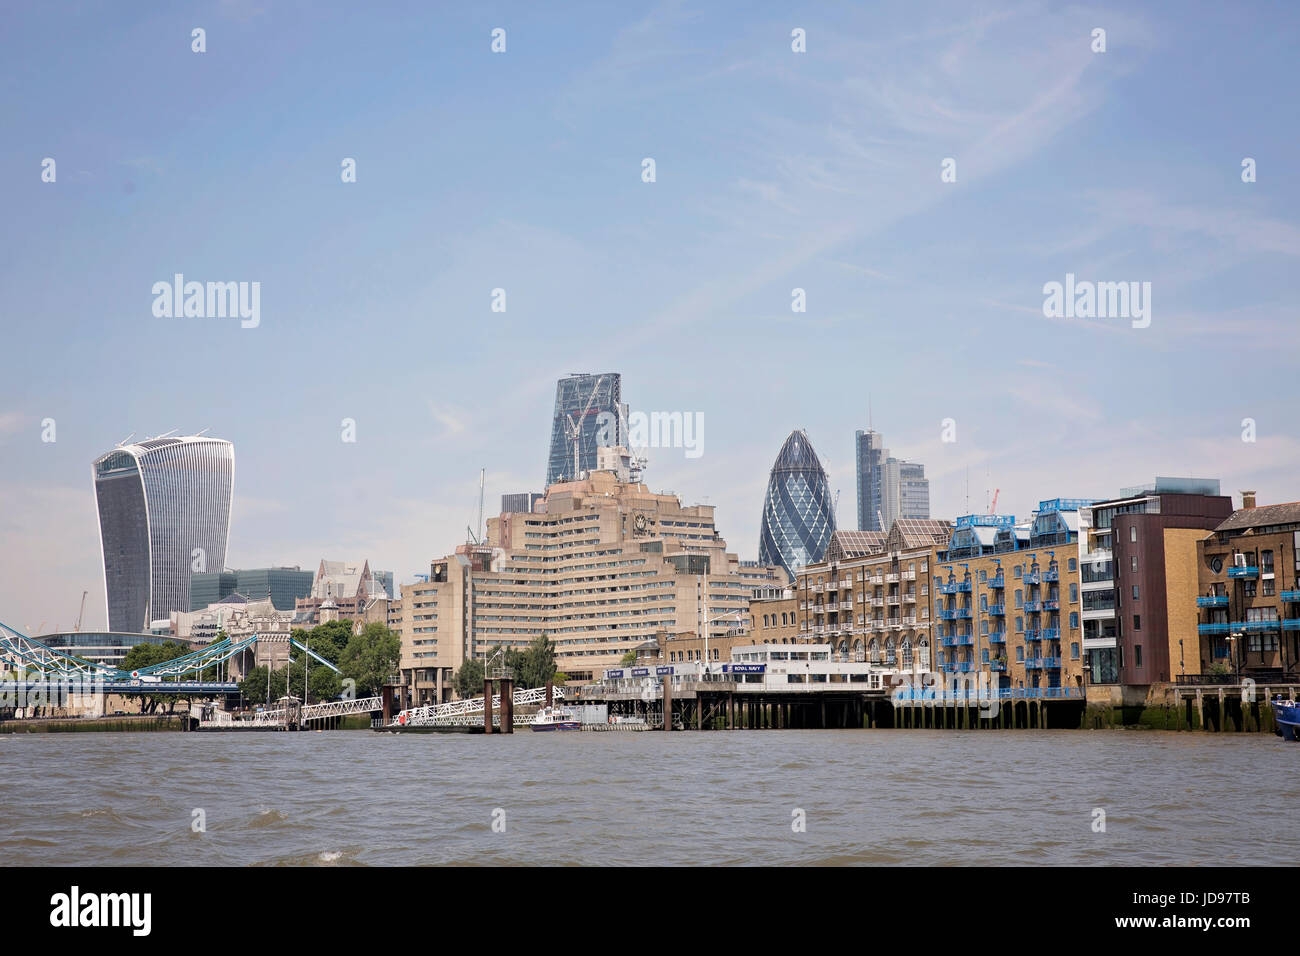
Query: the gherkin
{"x": 798, "y": 513}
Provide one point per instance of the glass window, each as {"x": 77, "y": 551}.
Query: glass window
{"x": 1133, "y": 536}
{"x": 1074, "y": 650}
{"x": 1074, "y": 620}
{"x": 1073, "y": 564}
{"x": 1015, "y": 573}
{"x": 1074, "y": 593}
{"x": 1137, "y": 655}
{"x": 1135, "y": 592}
{"x": 1133, "y": 562}
{"x": 1137, "y": 626}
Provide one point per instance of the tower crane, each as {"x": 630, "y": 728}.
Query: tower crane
{"x": 993, "y": 508}
{"x": 573, "y": 427}
{"x": 81, "y": 613}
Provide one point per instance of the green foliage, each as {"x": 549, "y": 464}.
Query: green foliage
{"x": 328, "y": 639}
{"x": 370, "y": 658}
{"x": 469, "y": 679}
{"x": 628, "y": 659}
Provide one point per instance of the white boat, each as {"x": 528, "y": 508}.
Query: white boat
{"x": 555, "y": 718}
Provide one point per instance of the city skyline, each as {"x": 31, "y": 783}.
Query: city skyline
{"x": 775, "y": 171}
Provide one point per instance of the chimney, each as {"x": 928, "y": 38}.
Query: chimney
{"x": 1248, "y": 499}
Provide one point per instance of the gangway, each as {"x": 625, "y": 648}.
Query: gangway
{"x": 470, "y": 711}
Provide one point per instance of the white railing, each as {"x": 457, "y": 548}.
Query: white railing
{"x": 341, "y": 708}
{"x": 458, "y": 710}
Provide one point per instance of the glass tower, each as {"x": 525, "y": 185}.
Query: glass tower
{"x": 591, "y": 405}
{"x": 798, "y": 513}
{"x": 164, "y": 512}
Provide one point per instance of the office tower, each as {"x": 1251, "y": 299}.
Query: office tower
{"x": 870, "y": 455}
{"x": 281, "y": 586}
{"x": 798, "y": 512}
{"x": 888, "y": 488}
{"x": 588, "y": 408}
{"x": 164, "y": 512}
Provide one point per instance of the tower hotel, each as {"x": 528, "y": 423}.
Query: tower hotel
{"x": 600, "y": 568}
{"x": 164, "y": 511}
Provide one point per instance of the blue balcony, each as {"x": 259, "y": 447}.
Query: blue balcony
{"x": 997, "y": 610}
{"x": 1052, "y": 574}
{"x": 998, "y": 581}
{"x": 1052, "y": 663}
{"x": 1033, "y": 607}
{"x": 1032, "y": 577}
{"x": 1213, "y": 628}
{"x": 997, "y": 666}
{"x": 960, "y": 667}
{"x": 1033, "y": 663}
{"x": 1050, "y": 634}
{"x": 1033, "y": 635}
{"x": 954, "y": 613}
{"x": 963, "y": 587}
{"x": 944, "y": 588}
{"x": 1291, "y": 596}
{"x": 1215, "y": 600}
{"x": 1052, "y": 604}
{"x": 1257, "y": 627}
{"x": 959, "y": 640}
{"x": 997, "y": 637}
{"x": 1249, "y": 571}
{"x": 1291, "y": 624}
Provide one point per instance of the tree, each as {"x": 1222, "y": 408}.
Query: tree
{"x": 370, "y": 658}
{"x": 469, "y": 679}
{"x": 328, "y": 639}
{"x": 628, "y": 659}
{"x": 537, "y": 664}
{"x": 147, "y": 654}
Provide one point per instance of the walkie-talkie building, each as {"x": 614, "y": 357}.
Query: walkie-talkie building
{"x": 580, "y": 402}
{"x": 164, "y": 511}
{"x": 798, "y": 513}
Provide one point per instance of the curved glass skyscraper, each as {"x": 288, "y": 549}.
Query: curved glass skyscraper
{"x": 164, "y": 511}
{"x": 580, "y": 401}
{"x": 798, "y": 513}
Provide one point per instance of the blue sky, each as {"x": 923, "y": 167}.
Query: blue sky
{"x": 522, "y": 171}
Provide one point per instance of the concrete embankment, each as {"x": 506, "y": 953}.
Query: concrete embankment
{"x": 84, "y": 725}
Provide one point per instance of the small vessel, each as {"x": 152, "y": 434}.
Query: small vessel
{"x": 555, "y": 718}
{"x": 1287, "y": 714}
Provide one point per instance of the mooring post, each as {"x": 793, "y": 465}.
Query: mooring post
{"x": 487, "y": 705}
{"x": 550, "y": 693}
{"x": 668, "y": 702}
{"x": 507, "y": 705}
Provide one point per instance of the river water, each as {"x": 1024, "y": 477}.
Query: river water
{"x": 866, "y": 796}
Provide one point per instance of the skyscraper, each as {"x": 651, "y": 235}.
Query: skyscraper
{"x": 164, "y": 511}
{"x": 798, "y": 513}
{"x": 888, "y": 488}
{"x": 587, "y": 404}
{"x": 870, "y": 454}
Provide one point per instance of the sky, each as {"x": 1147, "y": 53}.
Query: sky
{"x": 522, "y": 170}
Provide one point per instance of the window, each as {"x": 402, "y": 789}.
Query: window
{"x": 1137, "y": 626}
{"x": 1074, "y": 620}
{"x": 1133, "y": 563}
{"x": 1074, "y": 650}
{"x": 1266, "y": 562}
{"x": 1020, "y": 653}
{"x": 1016, "y": 571}
{"x": 1074, "y": 593}
{"x": 1020, "y": 598}
{"x": 1133, "y": 536}
{"x": 1073, "y": 564}
{"x": 1135, "y": 592}
{"x": 1268, "y": 587}
{"x": 1020, "y": 623}
{"x": 1137, "y": 655}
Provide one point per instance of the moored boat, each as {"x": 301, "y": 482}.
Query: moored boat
{"x": 1287, "y": 714}
{"x": 555, "y": 718}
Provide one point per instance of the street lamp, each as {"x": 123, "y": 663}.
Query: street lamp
{"x": 734, "y": 615}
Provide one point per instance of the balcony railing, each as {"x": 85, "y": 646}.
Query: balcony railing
{"x": 959, "y": 667}
{"x": 908, "y": 575}
{"x": 1052, "y": 604}
{"x": 1248, "y": 571}
{"x": 1290, "y": 595}
{"x": 1213, "y": 628}
{"x": 1049, "y": 634}
{"x": 959, "y": 640}
{"x": 997, "y": 581}
{"x": 1052, "y": 574}
{"x": 1033, "y": 635}
{"x": 997, "y": 610}
{"x": 997, "y": 637}
{"x": 1219, "y": 600}
{"x": 1033, "y": 663}
{"x": 1291, "y": 624}
{"x": 1032, "y": 577}
{"x": 1256, "y": 627}
{"x": 1052, "y": 663}
{"x": 997, "y": 665}
{"x": 1033, "y": 607}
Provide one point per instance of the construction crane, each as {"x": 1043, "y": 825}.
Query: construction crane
{"x": 81, "y": 613}
{"x": 473, "y": 536}
{"x": 573, "y": 427}
{"x": 993, "y": 507}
